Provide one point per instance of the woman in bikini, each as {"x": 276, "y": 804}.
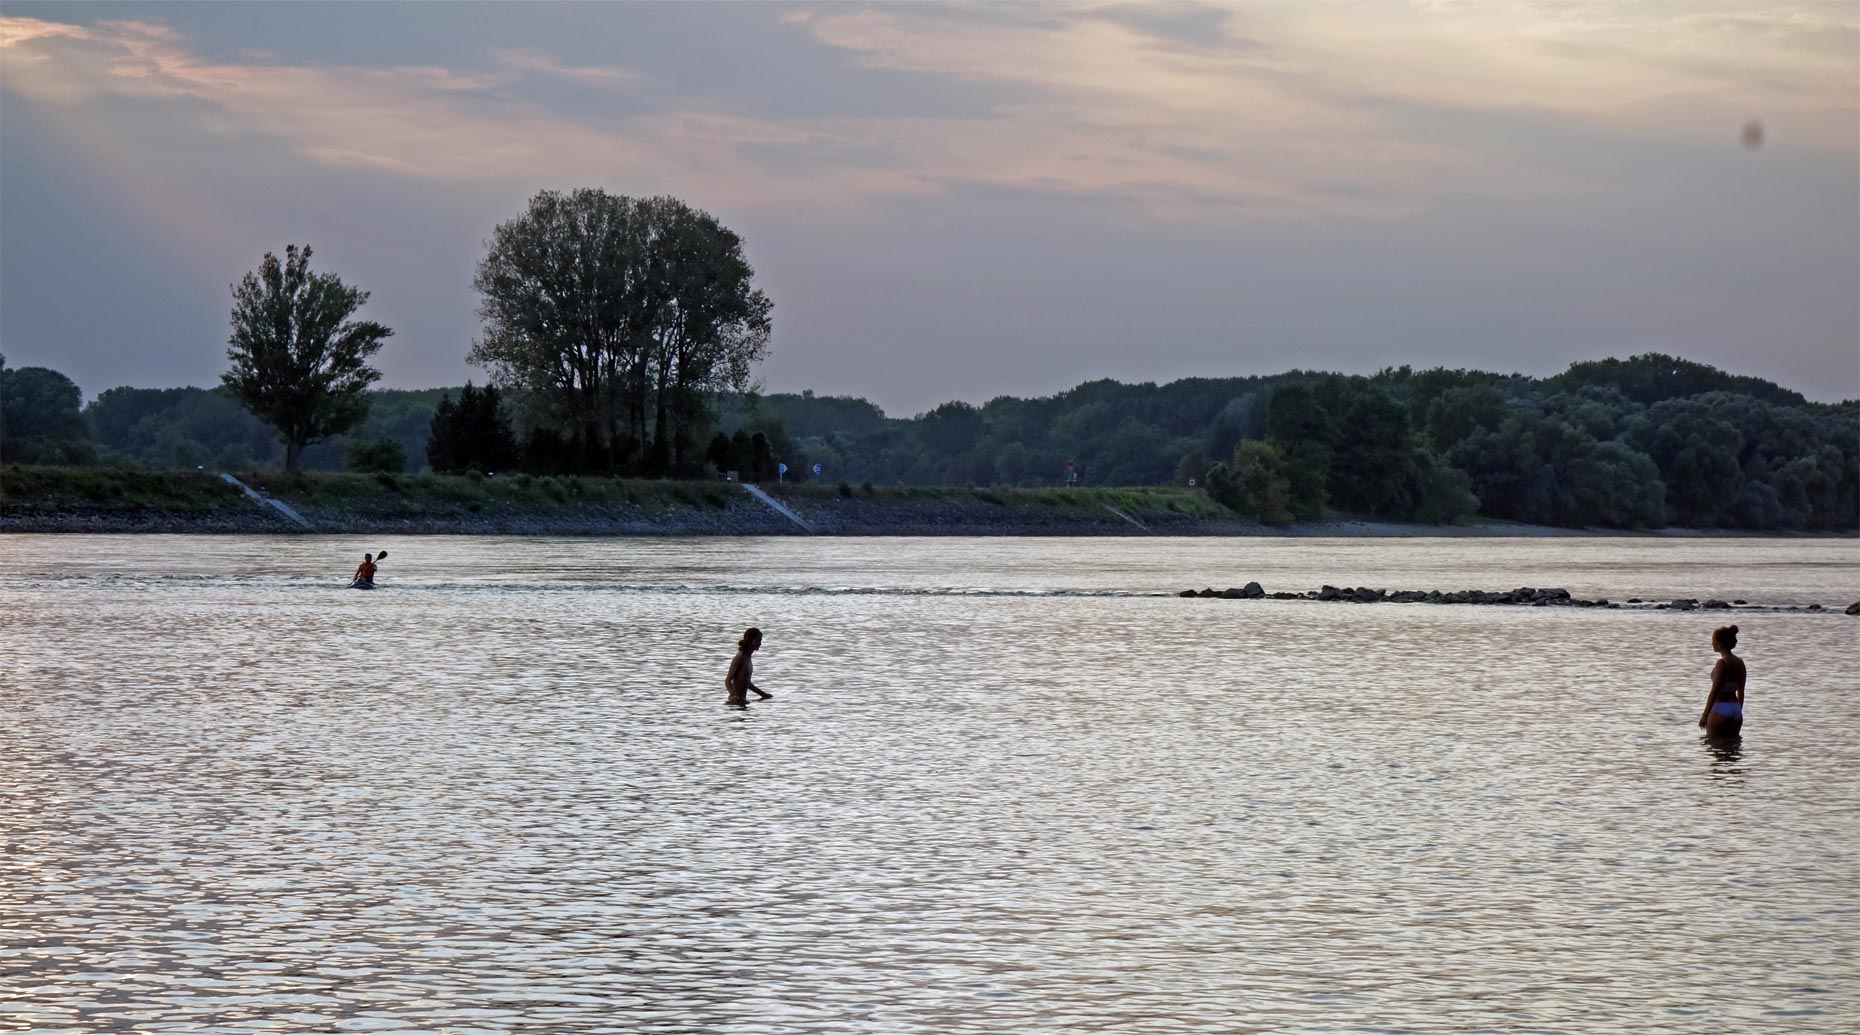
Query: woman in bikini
{"x": 1724, "y": 704}
{"x": 738, "y": 682}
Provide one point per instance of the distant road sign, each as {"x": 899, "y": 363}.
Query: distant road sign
{"x": 816, "y": 468}
{"x": 781, "y": 468}
{"x": 1191, "y": 483}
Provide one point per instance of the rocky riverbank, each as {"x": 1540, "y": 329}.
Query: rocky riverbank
{"x": 92, "y": 500}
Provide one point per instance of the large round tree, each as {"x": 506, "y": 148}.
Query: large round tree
{"x": 619, "y": 316}
{"x": 40, "y": 420}
{"x": 299, "y": 363}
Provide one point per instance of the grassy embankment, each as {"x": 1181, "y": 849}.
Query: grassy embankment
{"x": 111, "y": 489}
{"x": 100, "y": 494}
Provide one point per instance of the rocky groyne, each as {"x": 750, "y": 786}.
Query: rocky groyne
{"x": 1523, "y": 596}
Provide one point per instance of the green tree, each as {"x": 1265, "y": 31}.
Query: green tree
{"x": 1014, "y": 465}
{"x": 1441, "y": 493}
{"x": 1373, "y": 466}
{"x": 1461, "y": 410}
{"x": 709, "y": 328}
{"x": 1654, "y": 377}
{"x": 1243, "y": 417}
{"x": 1614, "y": 485}
{"x": 376, "y": 455}
{"x": 185, "y": 426}
{"x": 954, "y": 427}
{"x": 40, "y": 422}
{"x": 620, "y": 316}
{"x": 1538, "y": 467}
{"x": 299, "y": 362}
{"x": 472, "y": 434}
{"x": 1698, "y": 445}
{"x": 1253, "y": 484}
{"x": 1295, "y": 416}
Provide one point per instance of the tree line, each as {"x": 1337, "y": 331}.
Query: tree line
{"x": 1619, "y": 443}
{"x": 1635, "y": 443}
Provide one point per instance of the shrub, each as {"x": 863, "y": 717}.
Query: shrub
{"x": 376, "y": 455}
{"x": 1254, "y": 484}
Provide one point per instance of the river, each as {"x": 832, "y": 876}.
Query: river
{"x": 1005, "y": 785}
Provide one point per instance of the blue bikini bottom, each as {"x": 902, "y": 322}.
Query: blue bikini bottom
{"x": 1728, "y": 709}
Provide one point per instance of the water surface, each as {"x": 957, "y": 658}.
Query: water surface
{"x": 1006, "y": 785}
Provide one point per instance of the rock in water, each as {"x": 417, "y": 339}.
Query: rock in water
{"x": 1253, "y": 591}
{"x": 1854, "y": 608}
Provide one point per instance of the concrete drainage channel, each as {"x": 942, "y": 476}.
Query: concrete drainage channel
{"x": 266, "y": 501}
{"x": 1126, "y": 517}
{"x": 778, "y": 507}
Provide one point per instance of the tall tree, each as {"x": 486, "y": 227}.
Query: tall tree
{"x": 299, "y": 363}
{"x": 619, "y": 315}
{"x": 562, "y": 303}
{"x": 709, "y": 325}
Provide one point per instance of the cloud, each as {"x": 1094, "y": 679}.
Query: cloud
{"x": 1275, "y": 96}
{"x": 532, "y": 60}
{"x": 14, "y": 31}
{"x": 1185, "y": 111}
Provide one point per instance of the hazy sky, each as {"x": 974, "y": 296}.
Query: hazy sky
{"x": 961, "y": 201}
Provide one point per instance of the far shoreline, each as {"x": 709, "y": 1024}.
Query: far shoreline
{"x": 673, "y": 527}
{"x": 180, "y": 502}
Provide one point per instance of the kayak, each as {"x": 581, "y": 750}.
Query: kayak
{"x": 359, "y": 584}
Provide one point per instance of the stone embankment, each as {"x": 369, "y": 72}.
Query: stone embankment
{"x": 1525, "y": 596}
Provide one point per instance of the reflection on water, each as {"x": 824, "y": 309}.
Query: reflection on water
{"x": 1725, "y": 749}
{"x": 503, "y": 792}
{"x": 1727, "y": 753}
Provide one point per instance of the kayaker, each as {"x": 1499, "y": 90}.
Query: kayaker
{"x": 365, "y": 571}
{"x": 738, "y": 682}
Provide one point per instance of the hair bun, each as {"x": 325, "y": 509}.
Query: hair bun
{"x": 1734, "y": 630}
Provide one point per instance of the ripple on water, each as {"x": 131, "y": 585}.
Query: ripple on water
{"x": 1003, "y": 787}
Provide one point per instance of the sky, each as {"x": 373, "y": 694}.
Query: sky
{"x": 959, "y": 201}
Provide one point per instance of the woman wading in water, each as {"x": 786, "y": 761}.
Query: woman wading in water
{"x": 738, "y": 682}
{"x": 1724, "y": 704}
